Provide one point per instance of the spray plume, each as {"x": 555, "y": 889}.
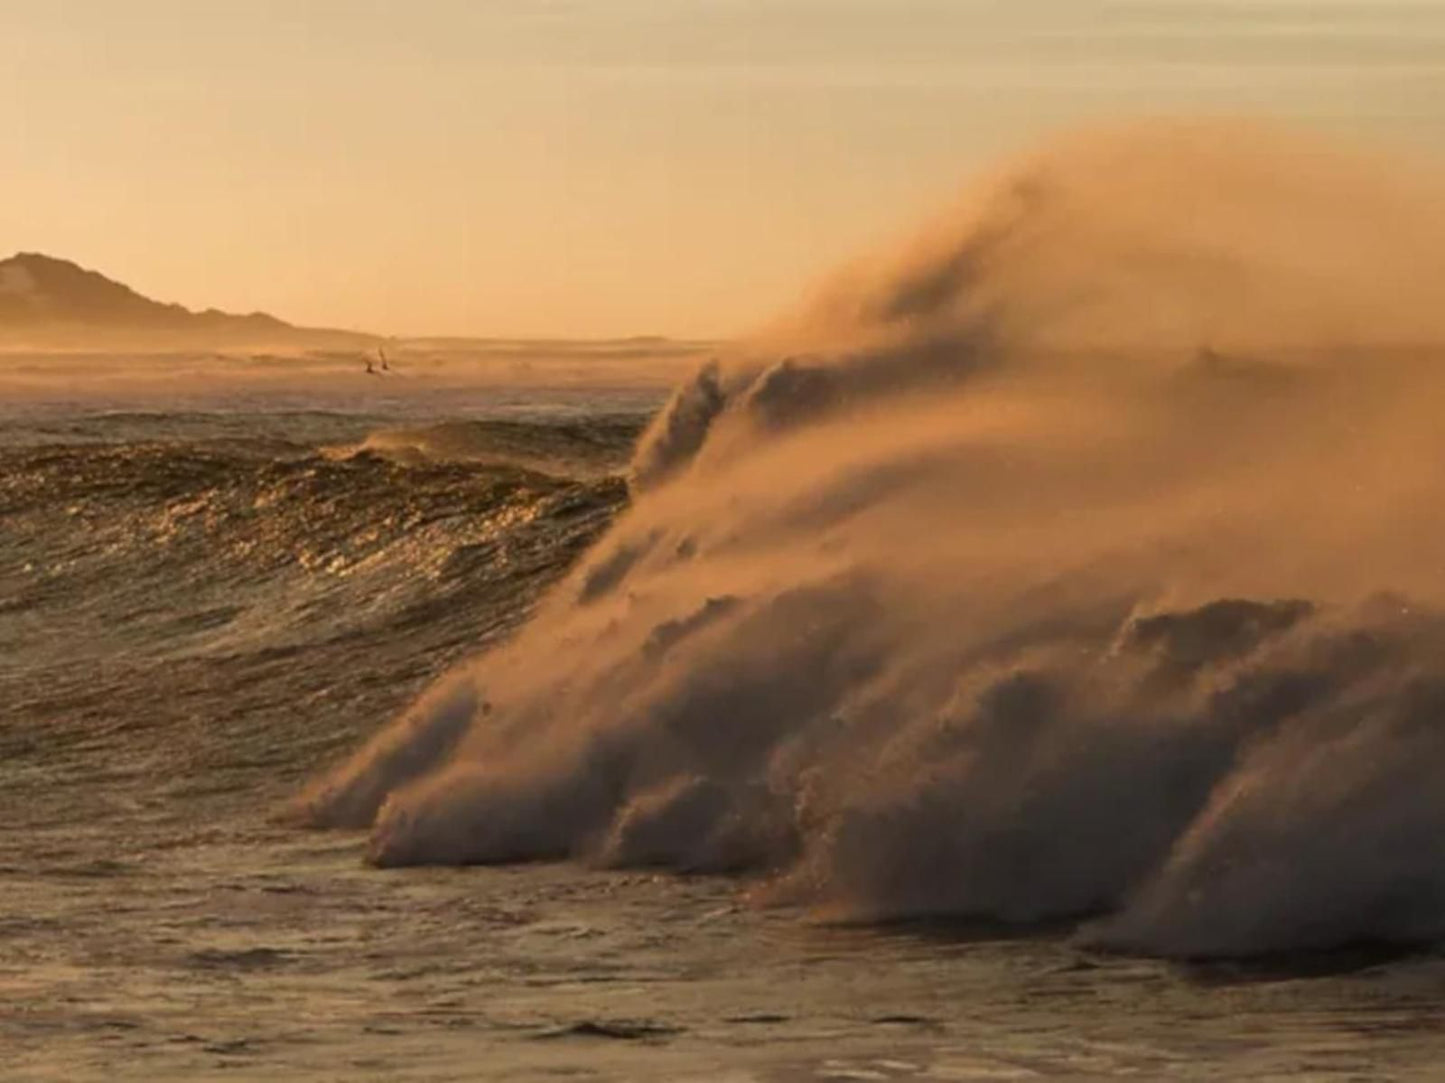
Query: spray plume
{"x": 1082, "y": 560}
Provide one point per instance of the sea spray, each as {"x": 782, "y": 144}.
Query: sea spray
{"x": 1082, "y": 561}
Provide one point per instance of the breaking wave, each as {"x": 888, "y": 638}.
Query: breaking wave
{"x": 1082, "y": 562}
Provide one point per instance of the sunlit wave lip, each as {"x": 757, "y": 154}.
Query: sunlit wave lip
{"x": 592, "y": 446}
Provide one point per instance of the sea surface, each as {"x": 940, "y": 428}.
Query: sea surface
{"x": 203, "y": 603}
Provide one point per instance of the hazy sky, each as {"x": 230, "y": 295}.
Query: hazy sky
{"x": 604, "y": 166}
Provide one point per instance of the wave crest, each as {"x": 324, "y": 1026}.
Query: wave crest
{"x": 1053, "y": 570}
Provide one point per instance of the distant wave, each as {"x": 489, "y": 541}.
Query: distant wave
{"x": 1080, "y": 562}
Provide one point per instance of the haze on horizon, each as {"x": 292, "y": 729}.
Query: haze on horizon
{"x": 606, "y": 167}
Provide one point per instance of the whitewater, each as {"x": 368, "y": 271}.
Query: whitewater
{"x": 1021, "y": 660}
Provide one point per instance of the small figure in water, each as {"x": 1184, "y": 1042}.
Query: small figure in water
{"x": 370, "y": 368}
{"x": 382, "y": 354}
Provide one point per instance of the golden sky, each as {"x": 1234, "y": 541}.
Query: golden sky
{"x": 604, "y": 167}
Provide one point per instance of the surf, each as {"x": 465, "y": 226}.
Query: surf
{"x": 1075, "y": 561}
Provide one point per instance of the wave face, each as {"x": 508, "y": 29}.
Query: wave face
{"x": 1080, "y": 562}
{"x": 164, "y": 537}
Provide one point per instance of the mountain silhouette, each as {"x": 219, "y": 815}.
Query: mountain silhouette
{"x": 49, "y": 302}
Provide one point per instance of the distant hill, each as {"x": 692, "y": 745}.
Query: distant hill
{"x": 49, "y": 303}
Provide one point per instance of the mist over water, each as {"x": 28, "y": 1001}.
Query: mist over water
{"x": 1080, "y": 561}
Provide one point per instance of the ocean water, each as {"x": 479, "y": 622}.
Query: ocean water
{"x": 1022, "y": 663}
{"x": 200, "y": 609}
